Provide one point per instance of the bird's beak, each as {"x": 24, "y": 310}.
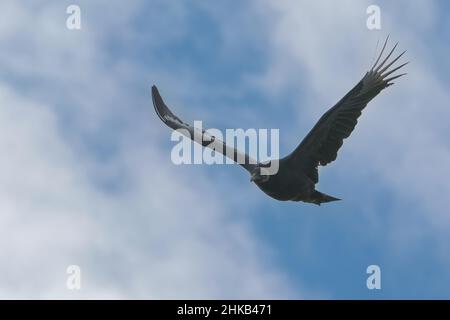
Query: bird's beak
{"x": 253, "y": 178}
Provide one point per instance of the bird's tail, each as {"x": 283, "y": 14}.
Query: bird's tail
{"x": 319, "y": 197}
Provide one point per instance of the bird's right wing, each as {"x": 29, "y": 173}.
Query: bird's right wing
{"x": 204, "y": 138}
{"x": 322, "y": 143}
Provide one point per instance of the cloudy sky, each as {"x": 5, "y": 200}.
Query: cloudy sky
{"x": 86, "y": 177}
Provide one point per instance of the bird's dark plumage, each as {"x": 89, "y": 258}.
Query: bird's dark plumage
{"x": 298, "y": 172}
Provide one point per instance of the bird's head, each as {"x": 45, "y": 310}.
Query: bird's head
{"x": 258, "y": 176}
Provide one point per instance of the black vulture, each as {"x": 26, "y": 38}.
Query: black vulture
{"x": 298, "y": 172}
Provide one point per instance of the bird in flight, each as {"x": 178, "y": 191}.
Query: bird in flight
{"x": 298, "y": 172}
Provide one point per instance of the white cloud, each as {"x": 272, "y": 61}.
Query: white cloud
{"x": 147, "y": 233}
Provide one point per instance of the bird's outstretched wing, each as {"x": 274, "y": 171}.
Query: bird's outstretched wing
{"x": 322, "y": 143}
{"x": 204, "y": 138}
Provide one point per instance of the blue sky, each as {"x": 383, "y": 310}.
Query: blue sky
{"x": 86, "y": 176}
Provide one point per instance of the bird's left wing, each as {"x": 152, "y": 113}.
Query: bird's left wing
{"x": 322, "y": 143}
{"x": 198, "y": 135}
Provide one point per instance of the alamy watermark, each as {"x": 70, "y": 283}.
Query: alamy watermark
{"x": 374, "y": 280}
{"x": 73, "y": 21}
{"x": 73, "y": 281}
{"x": 223, "y": 149}
{"x": 373, "y": 21}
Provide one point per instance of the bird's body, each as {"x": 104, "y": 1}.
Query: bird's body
{"x": 289, "y": 183}
{"x": 297, "y": 173}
